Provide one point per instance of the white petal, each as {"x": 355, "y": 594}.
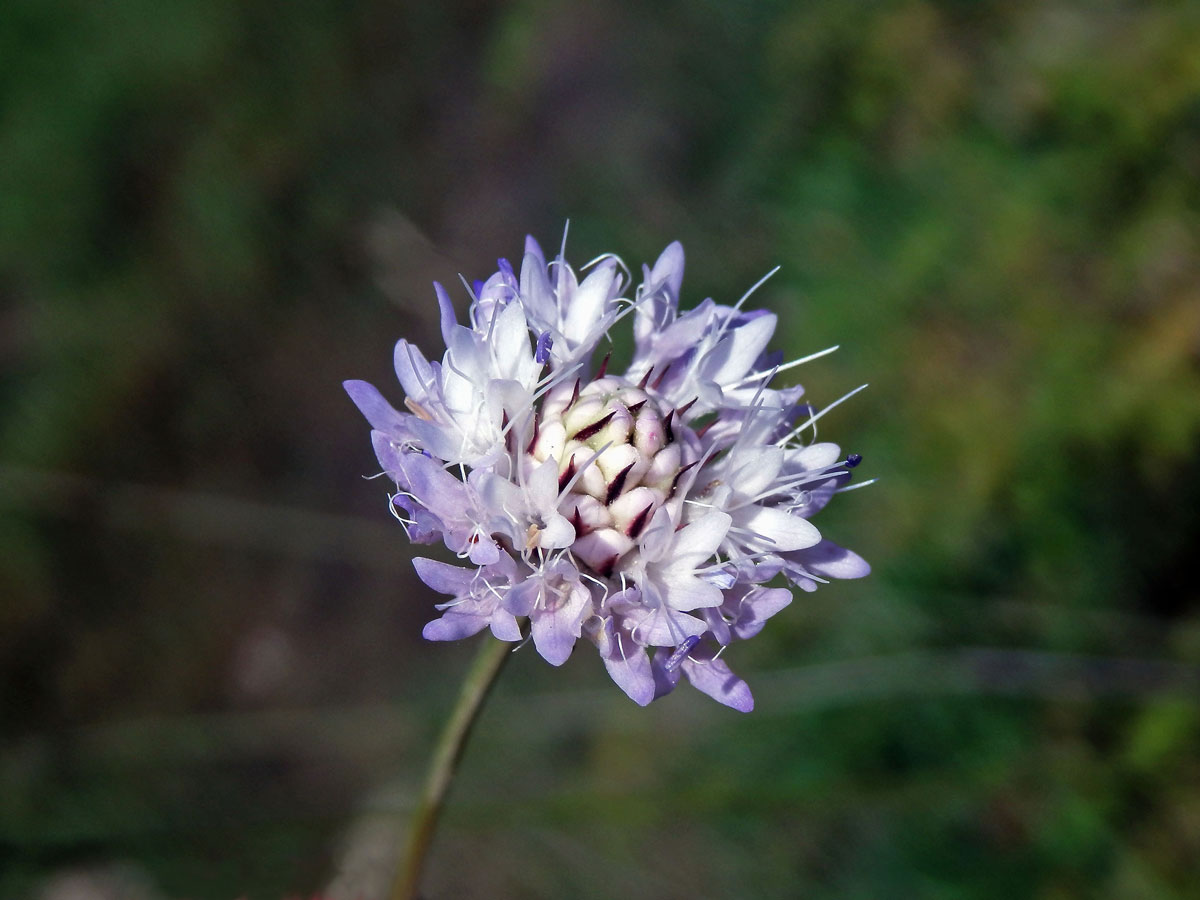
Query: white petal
{"x": 665, "y": 627}
{"x": 688, "y": 593}
{"x": 509, "y": 343}
{"x": 699, "y": 540}
{"x": 739, "y": 349}
{"x": 589, "y": 304}
{"x": 656, "y": 537}
{"x": 414, "y": 372}
{"x": 752, "y": 470}
{"x": 782, "y": 531}
{"x": 536, "y": 295}
{"x": 446, "y": 308}
{"x": 542, "y": 487}
{"x": 818, "y": 456}
{"x": 668, "y": 270}
{"x": 557, "y": 534}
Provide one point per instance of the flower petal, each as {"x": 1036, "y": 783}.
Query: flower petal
{"x": 381, "y": 414}
{"x": 556, "y": 628}
{"x": 454, "y": 626}
{"x": 442, "y": 577}
{"x": 626, "y": 662}
{"x": 780, "y": 530}
{"x": 715, "y": 678}
{"x": 446, "y": 310}
{"x": 832, "y": 561}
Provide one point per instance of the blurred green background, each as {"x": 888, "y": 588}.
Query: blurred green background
{"x": 212, "y": 683}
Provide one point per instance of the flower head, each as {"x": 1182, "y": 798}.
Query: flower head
{"x": 643, "y": 512}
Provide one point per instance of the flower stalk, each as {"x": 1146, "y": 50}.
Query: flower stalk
{"x": 484, "y": 671}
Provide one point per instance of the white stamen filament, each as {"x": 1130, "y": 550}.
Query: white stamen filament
{"x": 784, "y": 367}
{"x": 855, "y": 487}
{"x": 815, "y": 416}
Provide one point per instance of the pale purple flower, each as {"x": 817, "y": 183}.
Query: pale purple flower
{"x": 478, "y": 598}
{"x": 643, "y": 512}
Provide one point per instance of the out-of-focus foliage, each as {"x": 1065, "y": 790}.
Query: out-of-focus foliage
{"x": 212, "y": 213}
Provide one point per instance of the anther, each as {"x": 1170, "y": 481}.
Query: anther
{"x": 417, "y": 409}
{"x": 681, "y": 652}
{"x": 853, "y": 460}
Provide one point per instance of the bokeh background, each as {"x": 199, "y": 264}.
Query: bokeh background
{"x": 211, "y": 678}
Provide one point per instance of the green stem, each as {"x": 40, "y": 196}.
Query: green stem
{"x": 482, "y": 675}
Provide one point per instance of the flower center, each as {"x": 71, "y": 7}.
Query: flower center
{"x": 620, "y": 453}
